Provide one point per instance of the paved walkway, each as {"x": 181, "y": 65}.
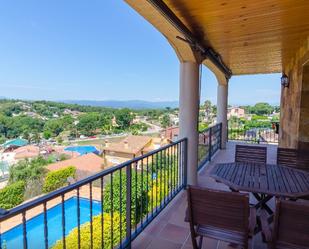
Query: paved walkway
{"x": 169, "y": 231}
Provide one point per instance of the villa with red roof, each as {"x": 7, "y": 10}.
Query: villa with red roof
{"x": 85, "y": 165}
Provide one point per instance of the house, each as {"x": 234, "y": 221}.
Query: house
{"x": 13, "y": 144}
{"x": 171, "y": 133}
{"x": 174, "y": 119}
{"x": 129, "y": 148}
{"x": 235, "y": 112}
{"x": 85, "y": 165}
{"x": 28, "y": 151}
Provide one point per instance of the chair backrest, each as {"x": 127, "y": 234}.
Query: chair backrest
{"x": 218, "y": 209}
{"x": 291, "y": 225}
{"x": 293, "y": 158}
{"x": 251, "y": 154}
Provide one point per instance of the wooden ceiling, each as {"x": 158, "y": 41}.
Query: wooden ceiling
{"x": 251, "y": 36}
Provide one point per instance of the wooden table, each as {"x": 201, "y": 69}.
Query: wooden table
{"x": 263, "y": 181}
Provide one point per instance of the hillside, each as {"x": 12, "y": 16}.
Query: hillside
{"x": 132, "y": 104}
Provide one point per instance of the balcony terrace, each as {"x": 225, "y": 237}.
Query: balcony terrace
{"x": 141, "y": 203}
{"x": 169, "y": 231}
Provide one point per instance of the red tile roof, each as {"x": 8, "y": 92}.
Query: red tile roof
{"x": 89, "y": 162}
{"x": 28, "y": 151}
{"x": 131, "y": 145}
{"x": 171, "y": 132}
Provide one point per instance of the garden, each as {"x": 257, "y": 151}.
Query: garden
{"x": 30, "y": 178}
{"x": 149, "y": 189}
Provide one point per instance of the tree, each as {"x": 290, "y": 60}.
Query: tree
{"x": 47, "y": 134}
{"x": 124, "y": 118}
{"x": 16, "y": 126}
{"x": 138, "y": 199}
{"x": 26, "y": 170}
{"x": 3, "y": 125}
{"x": 208, "y": 109}
{"x": 166, "y": 121}
{"x": 26, "y": 136}
{"x": 36, "y": 137}
{"x": 54, "y": 126}
{"x": 262, "y": 109}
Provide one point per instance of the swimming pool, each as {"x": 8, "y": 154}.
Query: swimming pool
{"x": 82, "y": 150}
{"x": 13, "y": 238}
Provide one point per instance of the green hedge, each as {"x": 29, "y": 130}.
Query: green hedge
{"x": 58, "y": 178}
{"x": 12, "y": 195}
{"x": 72, "y": 238}
{"x": 138, "y": 197}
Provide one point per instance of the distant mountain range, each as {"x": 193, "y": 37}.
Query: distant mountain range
{"x": 132, "y": 104}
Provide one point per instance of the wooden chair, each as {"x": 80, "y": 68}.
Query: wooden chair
{"x": 220, "y": 215}
{"x": 293, "y": 158}
{"x": 291, "y": 226}
{"x": 250, "y": 154}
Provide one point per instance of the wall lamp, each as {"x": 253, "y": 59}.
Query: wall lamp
{"x": 285, "y": 80}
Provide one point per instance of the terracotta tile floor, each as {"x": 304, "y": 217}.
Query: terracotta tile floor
{"x": 169, "y": 231}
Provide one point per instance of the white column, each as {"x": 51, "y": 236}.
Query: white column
{"x": 188, "y": 114}
{"x": 222, "y": 100}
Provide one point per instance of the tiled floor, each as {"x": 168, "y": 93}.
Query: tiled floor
{"x": 169, "y": 231}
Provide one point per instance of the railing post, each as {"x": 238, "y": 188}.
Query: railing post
{"x": 220, "y": 136}
{"x": 128, "y": 204}
{"x": 185, "y": 162}
{"x": 227, "y": 130}
{"x": 210, "y": 143}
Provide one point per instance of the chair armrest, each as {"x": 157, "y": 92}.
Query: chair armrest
{"x": 252, "y": 221}
{"x": 266, "y": 228}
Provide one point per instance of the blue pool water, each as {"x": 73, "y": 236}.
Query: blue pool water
{"x": 35, "y": 226}
{"x": 82, "y": 150}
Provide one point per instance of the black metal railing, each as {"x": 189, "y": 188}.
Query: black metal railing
{"x": 106, "y": 210}
{"x": 209, "y": 143}
{"x": 260, "y": 132}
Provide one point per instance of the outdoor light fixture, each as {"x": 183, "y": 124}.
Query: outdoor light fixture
{"x": 285, "y": 80}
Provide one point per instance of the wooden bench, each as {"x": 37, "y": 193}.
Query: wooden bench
{"x": 251, "y": 154}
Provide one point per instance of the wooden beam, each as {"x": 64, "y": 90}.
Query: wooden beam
{"x": 206, "y": 52}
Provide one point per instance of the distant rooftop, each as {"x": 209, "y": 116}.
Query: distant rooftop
{"x": 15, "y": 143}
{"x": 89, "y": 163}
{"x": 28, "y": 151}
{"x": 130, "y": 145}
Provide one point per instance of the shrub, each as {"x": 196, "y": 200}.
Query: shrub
{"x": 58, "y": 178}
{"x": 72, "y": 237}
{"x": 12, "y": 195}
{"x": 26, "y": 170}
{"x": 138, "y": 195}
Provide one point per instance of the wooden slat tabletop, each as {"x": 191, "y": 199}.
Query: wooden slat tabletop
{"x": 263, "y": 178}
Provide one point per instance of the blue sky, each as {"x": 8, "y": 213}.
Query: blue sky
{"x": 98, "y": 50}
